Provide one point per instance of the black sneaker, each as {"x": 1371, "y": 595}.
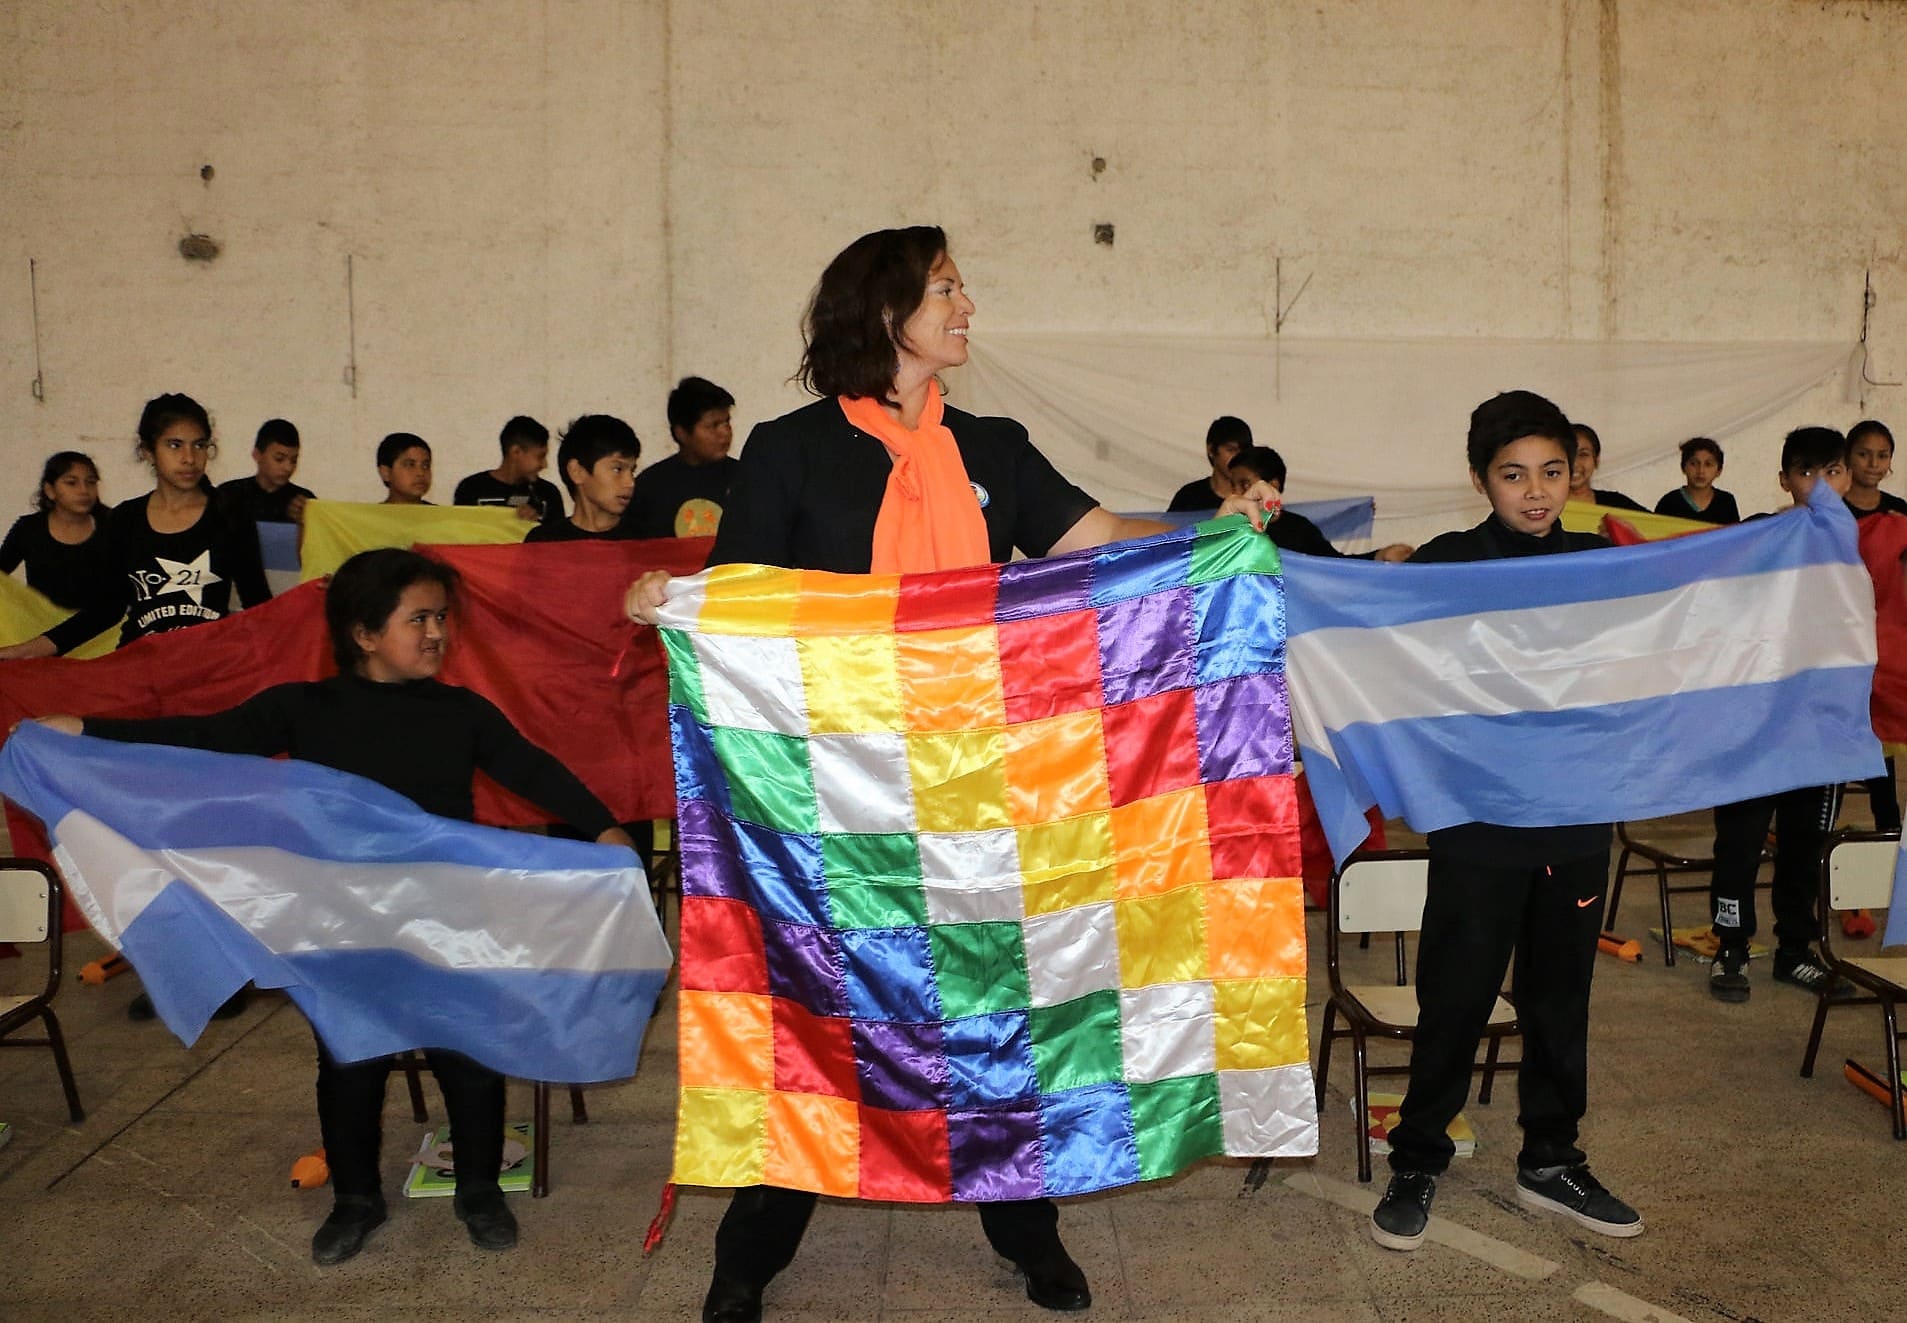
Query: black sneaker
{"x": 1574, "y": 1193}
{"x": 1797, "y": 965}
{"x": 1400, "y": 1217}
{"x": 352, "y": 1218}
{"x": 487, "y": 1218}
{"x": 1728, "y": 974}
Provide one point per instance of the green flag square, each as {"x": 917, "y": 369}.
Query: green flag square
{"x": 874, "y": 880}
{"x": 685, "y": 673}
{"x": 1215, "y": 557}
{"x": 1076, "y": 1043}
{"x": 1176, "y": 1122}
{"x": 980, "y": 967}
{"x": 769, "y": 780}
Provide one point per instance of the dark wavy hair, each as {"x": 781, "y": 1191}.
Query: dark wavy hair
{"x": 853, "y": 324}
{"x": 1511, "y": 416}
{"x": 1695, "y": 445}
{"x": 364, "y": 591}
{"x": 592, "y": 438}
{"x": 162, "y": 411}
{"x": 56, "y": 467}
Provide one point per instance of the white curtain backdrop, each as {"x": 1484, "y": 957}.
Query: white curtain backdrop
{"x": 1125, "y": 415}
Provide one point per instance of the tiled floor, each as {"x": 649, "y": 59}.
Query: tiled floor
{"x": 1767, "y": 1196}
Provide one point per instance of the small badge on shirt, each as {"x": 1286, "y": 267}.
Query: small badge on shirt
{"x": 981, "y": 493}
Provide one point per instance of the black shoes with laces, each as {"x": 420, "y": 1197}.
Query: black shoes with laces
{"x": 1574, "y": 1193}
{"x": 1398, "y": 1221}
{"x": 1799, "y": 966}
{"x": 1728, "y": 974}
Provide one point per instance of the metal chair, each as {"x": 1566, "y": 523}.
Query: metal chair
{"x": 1857, "y": 873}
{"x": 412, "y": 1064}
{"x": 1663, "y": 863}
{"x": 30, "y": 914}
{"x": 1383, "y": 891}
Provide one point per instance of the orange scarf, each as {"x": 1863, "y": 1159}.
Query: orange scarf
{"x": 930, "y": 518}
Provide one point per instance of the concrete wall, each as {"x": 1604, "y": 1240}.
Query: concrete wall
{"x": 561, "y": 206}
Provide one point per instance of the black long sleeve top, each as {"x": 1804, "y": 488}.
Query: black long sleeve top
{"x": 78, "y": 576}
{"x": 421, "y": 738}
{"x": 172, "y": 580}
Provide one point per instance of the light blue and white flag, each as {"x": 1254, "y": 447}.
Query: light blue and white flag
{"x": 1597, "y": 687}
{"x": 389, "y": 927}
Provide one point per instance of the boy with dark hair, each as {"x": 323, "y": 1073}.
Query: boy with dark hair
{"x": 514, "y": 482}
{"x": 1223, "y": 440}
{"x": 403, "y": 466}
{"x": 596, "y": 459}
{"x": 1493, "y": 891}
{"x": 1802, "y": 818}
{"x": 268, "y": 496}
{"x": 683, "y": 495}
{"x": 1287, "y": 530}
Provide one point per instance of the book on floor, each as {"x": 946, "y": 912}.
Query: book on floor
{"x": 1381, "y": 1116}
{"x": 434, "y": 1170}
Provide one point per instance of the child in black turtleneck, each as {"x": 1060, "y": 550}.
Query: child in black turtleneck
{"x": 1535, "y": 892}
{"x": 386, "y": 717}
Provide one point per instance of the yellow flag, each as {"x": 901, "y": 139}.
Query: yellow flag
{"x": 25, "y": 614}
{"x": 335, "y": 531}
{"x": 1582, "y": 517}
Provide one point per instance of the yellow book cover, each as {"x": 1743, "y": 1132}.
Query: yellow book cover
{"x": 1381, "y": 1115}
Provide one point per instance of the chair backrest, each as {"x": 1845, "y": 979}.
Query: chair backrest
{"x": 1382, "y": 893}
{"x": 1860, "y": 871}
{"x": 25, "y": 905}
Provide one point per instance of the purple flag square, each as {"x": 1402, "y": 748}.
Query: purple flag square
{"x": 1244, "y": 729}
{"x": 1033, "y": 588}
{"x": 903, "y": 1067}
{"x": 1145, "y": 645}
{"x": 711, "y": 864}
{"x": 804, "y": 966}
{"x": 996, "y": 1153}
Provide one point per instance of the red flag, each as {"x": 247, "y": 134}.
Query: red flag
{"x": 1883, "y": 544}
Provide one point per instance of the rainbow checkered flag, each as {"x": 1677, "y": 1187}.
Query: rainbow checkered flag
{"x": 990, "y": 876}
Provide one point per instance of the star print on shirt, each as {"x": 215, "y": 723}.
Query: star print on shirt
{"x": 189, "y": 577}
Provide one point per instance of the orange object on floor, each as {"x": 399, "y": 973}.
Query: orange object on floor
{"x": 1857, "y": 923}
{"x": 98, "y": 971}
{"x": 310, "y": 1171}
{"x": 1622, "y": 948}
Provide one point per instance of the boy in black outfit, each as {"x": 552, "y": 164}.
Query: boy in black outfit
{"x": 269, "y": 496}
{"x": 683, "y": 495}
{"x": 1802, "y": 818}
{"x": 516, "y": 480}
{"x": 1534, "y": 891}
{"x": 596, "y": 459}
{"x": 1288, "y": 530}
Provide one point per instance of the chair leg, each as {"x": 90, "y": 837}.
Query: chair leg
{"x": 1814, "y": 1034}
{"x": 1403, "y": 972}
{"x": 578, "y": 1113}
{"x": 1489, "y": 1070}
{"x": 411, "y": 1065}
{"x": 1893, "y": 1067}
{"x": 57, "y": 1041}
{"x": 1361, "y": 1105}
{"x": 1615, "y": 891}
{"x": 1324, "y": 1048}
{"x": 1668, "y": 920}
{"x": 540, "y": 1182}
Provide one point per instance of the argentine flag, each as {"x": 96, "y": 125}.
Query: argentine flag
{"x": 389, "y": 927}
{"x": 1596, "y": 687}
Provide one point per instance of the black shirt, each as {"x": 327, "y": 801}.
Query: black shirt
{"x": 171, "y": 580}
{"x": 1890, "y": 504}
{"x": 1195, "y": 495}
{"x": 79, "y": 577}
{"x": 1615, "y": 500}
{"x": 1487, "y": 842}
{"x": 811, "y": 484}
{"x": 539, "y": 494}
{"x": 1721, "y": 507}
{"x": 565, "y": 530}
{"x": 243, "y": 498}
{"x": 1293, "y": 532}
{"x": 422, "y": 739}
{"x": 677, "y": 499}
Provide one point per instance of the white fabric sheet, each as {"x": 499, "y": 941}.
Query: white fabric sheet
{"x": 1125, "y": 415}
